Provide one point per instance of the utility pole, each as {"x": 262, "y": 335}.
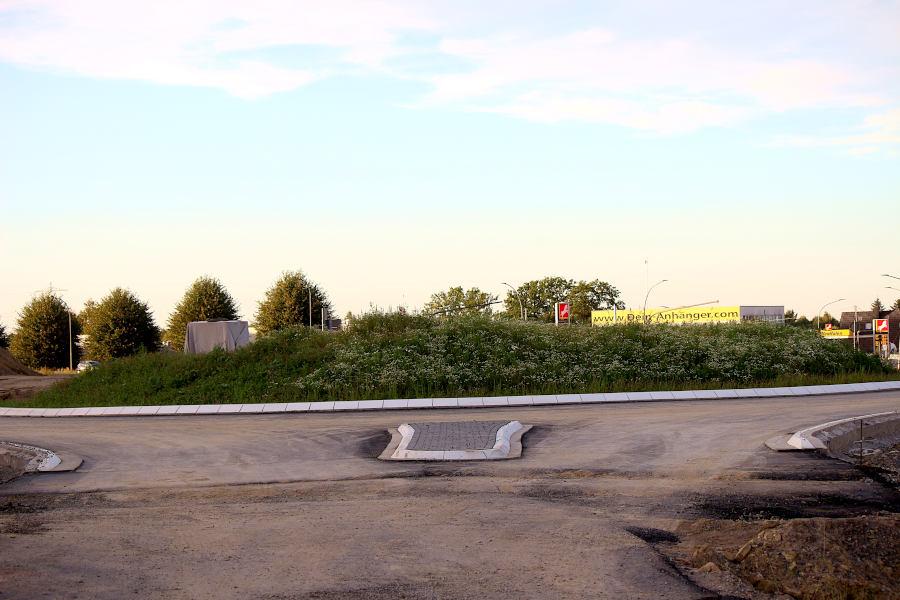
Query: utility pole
{"x": 310, "y": 308}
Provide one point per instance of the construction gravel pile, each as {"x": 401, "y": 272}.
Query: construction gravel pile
{"x": 10, "y": 366}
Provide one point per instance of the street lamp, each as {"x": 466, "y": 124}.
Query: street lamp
{"x": 823, "y": 308}
{"x": 519, "y": 298}
{"x": 644, "y": 315}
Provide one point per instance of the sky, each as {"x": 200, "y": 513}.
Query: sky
{"x": 747, "y": 153}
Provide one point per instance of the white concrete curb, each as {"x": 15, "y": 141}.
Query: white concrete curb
{"x": 499, "y": 451}
{"x": 806, "y": 439}
{"x": 483, "y": 402}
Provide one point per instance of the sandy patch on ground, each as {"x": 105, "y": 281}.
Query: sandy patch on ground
{"x": 20, "y": 387}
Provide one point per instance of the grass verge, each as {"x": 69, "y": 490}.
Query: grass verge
{"x": 398, "y": 356}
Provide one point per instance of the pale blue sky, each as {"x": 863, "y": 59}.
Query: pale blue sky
{"x": 393, "y": 149}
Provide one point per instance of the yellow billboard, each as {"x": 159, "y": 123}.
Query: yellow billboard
{"x": 836, "y": 333}
{"x": 675, "y": 316}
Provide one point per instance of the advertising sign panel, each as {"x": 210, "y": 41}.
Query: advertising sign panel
{"x": 881, "y": 326}
{"x": 680, "y": 316}
{"x": 563, "y": 308}
{"x": 836, "y": 333}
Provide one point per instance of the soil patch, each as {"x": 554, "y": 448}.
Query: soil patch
{"x": 10, "y": 366}
{"x": 755, "y": 507}
{"x": 818, "y": 558}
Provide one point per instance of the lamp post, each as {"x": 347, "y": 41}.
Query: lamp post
{"x": 519, "y": 298}
{"x": 823, "y": 308}
{"x": 644, "y": 314}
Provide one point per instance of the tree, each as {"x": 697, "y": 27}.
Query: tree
{"x": 206, "y": 299}
{"x": 896, "y": 305}
{"x": 793, "y": 319}
{"x": 540, "y": 296}
{"x": 120, "y": 325}
{"x": 456, "y": 301}
{"x": 42, "y": 334}
{"x": 287, "y": 304}
{"x": 586, "y": 296}
{"x": 877, "y": 307}
{"x": 4, "y": 337}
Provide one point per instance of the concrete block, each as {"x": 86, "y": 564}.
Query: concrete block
{"x": 470, "y": 402}
{"x": 112, "y": 411}
{"x": 855, "y": 387}
{"x": 63, "y": 412}
{"x": 746, "y": 393}
{"x": 593, "y": 398}
{"x": 419, "y": 403}
{"x": 226, "y": 409}
{"x": 495, "y": 401}
{"x": 445, "y": 403}
{"x": 370, "y": 404}
{"x": 543, "y": 399}
{"x": 726, "y": 393}
{"x": 297, "y": 407}
{"x": 51, "y": 412}
{"x": 400, "y": 403}
{"x": 705, "y": 394}
{"x": 95, "y": 411}
{"x": 321, "y": 406}
{"x": 568, "y": 398}
{"x": 519, "y": 400}
{"x": 346, "y": 405}
{"x": 168, "y": 410}
{"x": 252, "y": 408}
{"x": 148, "y": 410}
{"x": 772, "y": 392}
{"x": 130, "y": 410}
{"x": 209, "y": 409}
{"x": 639, "y": 396}
{"x": 16, "y": 412}
{"x": 187, "y": 409}
{"x": 683, "y": 395}
{"x": 274, "y": 407}
{"x": 81, "y": 411}
{"x": 34, "y": 412}
{"x": 4, "y": 410}
{"x": 662, "y": 396}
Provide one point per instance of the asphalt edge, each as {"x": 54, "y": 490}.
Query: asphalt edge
{"x": 450, "y": 403}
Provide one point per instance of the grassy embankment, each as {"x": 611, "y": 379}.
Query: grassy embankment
{"x": 394, "y": 356}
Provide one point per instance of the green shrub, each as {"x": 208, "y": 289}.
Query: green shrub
{"x": 119, "y": 326}
{"x": 206, "y": 299}
{"x": 394, "y": 355}
{"x": 42, "y": 339}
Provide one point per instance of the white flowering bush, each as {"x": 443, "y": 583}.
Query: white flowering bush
{"x": 398, "y": 356}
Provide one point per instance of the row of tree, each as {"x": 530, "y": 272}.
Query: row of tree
{"x": 792, "y": 318}
{"x": 121, "y": 325}
{"x": 536, "y": 299}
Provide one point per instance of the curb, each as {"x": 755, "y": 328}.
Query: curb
{"x": 508, "y": 444}
{"x": 807, "y": 439}
{"x": 480, "y": 402}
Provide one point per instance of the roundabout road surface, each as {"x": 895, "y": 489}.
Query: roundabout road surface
{"x": 296, "y": 506}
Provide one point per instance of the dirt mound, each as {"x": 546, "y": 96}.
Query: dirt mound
{"x": 10, "y": 366}
{"x": 810, "y": 559}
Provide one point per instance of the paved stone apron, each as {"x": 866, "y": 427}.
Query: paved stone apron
{"x": 458, "y": 435}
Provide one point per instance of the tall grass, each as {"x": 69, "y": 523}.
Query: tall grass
{"x": 399, "y": 356}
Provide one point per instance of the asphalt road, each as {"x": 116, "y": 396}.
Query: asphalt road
{"x": 296, "y": 506}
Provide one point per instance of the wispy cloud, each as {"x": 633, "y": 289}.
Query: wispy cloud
{"x": 671, "y": 80}
{"x": 201, "y": 43}
{"x": 877, "y": 131}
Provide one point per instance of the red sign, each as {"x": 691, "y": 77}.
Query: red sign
{"x": 828, "y": 326}
{"x": 881, "y": 326}
{"x": 563, "y": 308}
